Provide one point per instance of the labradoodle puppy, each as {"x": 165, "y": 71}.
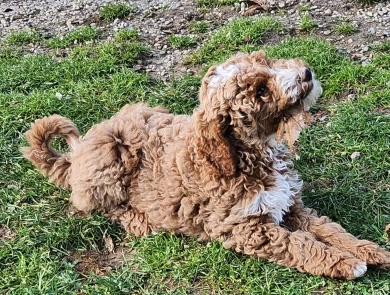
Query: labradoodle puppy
{"x": 220, "y": 174}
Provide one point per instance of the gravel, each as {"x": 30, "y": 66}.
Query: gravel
{"x": 156, "y": 20}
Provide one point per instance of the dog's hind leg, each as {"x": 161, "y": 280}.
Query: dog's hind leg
{"x": 103, "y": 165}
{"x": 294, "y": 249}
{"x": 333, "y": 234}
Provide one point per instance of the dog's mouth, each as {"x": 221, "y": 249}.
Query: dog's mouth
{"x": 303, "y": 93}
{"x": 296, "y": 117}
{"x": 302, "y": 86}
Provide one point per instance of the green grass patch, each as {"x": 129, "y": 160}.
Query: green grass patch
{"x": 240, "y": 34}
{"x": 83, "y": 62}
{"x": 23, "y": 37}
{"x": 180, "y": 41}
{"x": 382, "y": 47}
{"x": 307, "y": 24}
{"x": 213, "y": 3}
{"x": 79, "y": 35}
{"x": 180, "y": 96}
{"x": 199, "y": 27}
{"x": 346, "y": 29}
{"x": 111, "y": 11}
{"x": 127, "y": 35}
{"x": 303, "y": 8}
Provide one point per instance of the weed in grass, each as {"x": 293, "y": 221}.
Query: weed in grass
{"x": 23, "y": 37}
{"x": 204, "y": 10}
{"x": 164, "y": 7}
{"x": 111, "y": 11}
{"x": 346, "y": 29}
{"x": 214, "y": 3}
{"x": 382, "y": 47}
{"x": 382, "y": 61}
{"x": 80, "y": 35}
{"x": 126, "y": 35}
{"x": 199, "y": 27}
{"x": 307, "y": 24}
{"x": 303, "y": 8}
{"x": 10, "y": 52}
{"x": 180, "y": 41}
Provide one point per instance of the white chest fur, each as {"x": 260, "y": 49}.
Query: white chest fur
{"x": 278, "y": 199}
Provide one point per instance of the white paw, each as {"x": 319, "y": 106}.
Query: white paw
{"x": 360, "y": 270}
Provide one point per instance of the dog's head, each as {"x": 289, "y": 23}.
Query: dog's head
{"x": 246, "y": 98}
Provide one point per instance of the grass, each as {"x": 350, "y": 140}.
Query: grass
{"x": 23, "y": 37}
{"x": 303, "y": 8}
{"x": 95, "y": 80}
{"x": 240, "y": 34}
{"x": 382, "y": 47}
{"x": 127, "y": 35}
{"x": 111, "y": 11}
{"x": 79, "y": 35}
{"x": 346, "y": 29}
{"x": 180, "y": 41}
{"x": 199, "y": 27}
{"x": 307, "y": 24}
{"x": 213, "y": 3}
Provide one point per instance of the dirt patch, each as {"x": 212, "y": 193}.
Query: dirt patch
{"x": 384, "y": 111}
{"x": 5, "y": 233}
{"x": 100, "y": 262}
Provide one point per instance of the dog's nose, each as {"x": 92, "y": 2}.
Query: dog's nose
{"x": 307, "y": 75}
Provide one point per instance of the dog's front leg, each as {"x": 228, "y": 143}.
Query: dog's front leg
{"x": 294, "y": 249}
{"x": 333, "y": 234}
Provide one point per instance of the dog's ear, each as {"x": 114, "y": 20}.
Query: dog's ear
{"x": 212, "y": 145}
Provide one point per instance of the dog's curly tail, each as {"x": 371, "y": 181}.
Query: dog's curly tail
{"x": 48, "y": 160}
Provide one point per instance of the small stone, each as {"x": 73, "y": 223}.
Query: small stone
{"x": 327, "y": 32}
{"x": 58, "y": 95}
{"x": 355, "y": 156}
{"x": 372, "y": 31}
{"x": 350, "y": 41}
{"x": 328, "y": 12}
{"x": 366, "y": 62}
{"x": 242, "y": 7}
{"x": 282, "y": 4}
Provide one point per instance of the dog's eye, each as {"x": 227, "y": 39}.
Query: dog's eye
{"x": 260, "y": 91}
